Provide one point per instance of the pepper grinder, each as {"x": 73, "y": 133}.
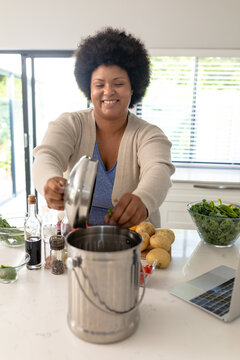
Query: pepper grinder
{"x": 57, "y": 243}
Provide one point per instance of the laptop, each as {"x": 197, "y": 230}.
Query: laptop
{"x": 216, "y": 292}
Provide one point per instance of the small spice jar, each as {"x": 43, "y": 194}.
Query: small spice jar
{"x": 57, "y": 243}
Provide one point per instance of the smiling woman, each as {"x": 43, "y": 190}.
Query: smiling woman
{"x": 113, "y": 70}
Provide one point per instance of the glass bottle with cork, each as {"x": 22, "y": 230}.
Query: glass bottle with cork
{"x": 32, "y": 235}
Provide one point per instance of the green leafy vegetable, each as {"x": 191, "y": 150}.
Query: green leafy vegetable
{"x": 10, "y": 234}
{"x": 7, "y": 273}
{"x": 4, "y": 223}
{"x": 217, "y": 224}
{"x": 110, "y": 212}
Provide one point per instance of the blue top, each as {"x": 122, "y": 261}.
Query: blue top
{"x": 102, "y": 196}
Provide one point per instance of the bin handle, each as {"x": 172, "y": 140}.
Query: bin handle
{"x": 76, "y": 262}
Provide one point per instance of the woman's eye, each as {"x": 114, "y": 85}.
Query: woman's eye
{"x": 119, "y": 84}
{"x": 99, "y": 85}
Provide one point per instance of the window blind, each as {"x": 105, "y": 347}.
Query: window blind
{"x": 196, "y": 102}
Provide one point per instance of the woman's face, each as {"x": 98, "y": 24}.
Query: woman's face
{"x": 111, "y": 92}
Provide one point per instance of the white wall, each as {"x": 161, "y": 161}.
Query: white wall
{"x": 169, "y": 24}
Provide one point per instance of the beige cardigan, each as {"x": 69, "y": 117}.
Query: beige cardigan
{"x": 143, "y": 166}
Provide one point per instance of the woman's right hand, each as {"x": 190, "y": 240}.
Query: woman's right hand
{"x": 53, "y": 192}
{"x": 129, "y": 211}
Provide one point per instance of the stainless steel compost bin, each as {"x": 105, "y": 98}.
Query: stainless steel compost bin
{"x": 103, "y": 283}
{"x": 103, "y": 267}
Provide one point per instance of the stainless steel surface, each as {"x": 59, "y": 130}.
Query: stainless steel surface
{"x": 218, "y": 187}
{"x": 107, "y": 262}
{"x": 79, "y": 190}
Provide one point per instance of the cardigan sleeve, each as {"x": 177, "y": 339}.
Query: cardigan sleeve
{"x": 52, "y": 156}
{"x": 156, "y": 168}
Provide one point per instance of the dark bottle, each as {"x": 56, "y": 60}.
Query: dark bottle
{"x": 32, "y": 234}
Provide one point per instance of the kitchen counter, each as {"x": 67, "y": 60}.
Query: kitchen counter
{"x": 33, "y": 313}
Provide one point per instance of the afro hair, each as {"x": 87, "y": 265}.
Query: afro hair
{"x": 113, "y": 47}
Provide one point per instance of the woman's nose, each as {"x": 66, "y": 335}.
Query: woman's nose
{"x": 108, "y": 89}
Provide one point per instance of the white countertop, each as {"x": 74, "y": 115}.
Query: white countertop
{"x": 33, "y": 313}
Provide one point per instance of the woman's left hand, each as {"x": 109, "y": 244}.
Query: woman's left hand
{"x": 129, "y": 211}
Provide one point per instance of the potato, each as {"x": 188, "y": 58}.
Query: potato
{"x": 167, "y": 232}
{"x": 145, "y": 226}
{"x": 160, "y": 241}
{"x": 159, "y": 254}
{"x": 145, "y": 240}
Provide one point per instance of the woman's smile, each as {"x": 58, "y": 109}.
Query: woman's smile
{"x": 109, "y": 104}
{"x": 109, "y": 101}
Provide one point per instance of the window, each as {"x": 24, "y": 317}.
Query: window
{"x": 35, "y": 88}
{"x": 56, "y": 91}
{"x": 196, "y": 102}
{"x": 12, "y": 167}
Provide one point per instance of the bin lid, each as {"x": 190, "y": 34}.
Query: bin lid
{"x": 79, "y": 191}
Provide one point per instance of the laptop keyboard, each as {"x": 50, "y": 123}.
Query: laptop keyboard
{"x": 216, "y": 300}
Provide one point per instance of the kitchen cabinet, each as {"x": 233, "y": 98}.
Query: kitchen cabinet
{"x": 174, "y": 214}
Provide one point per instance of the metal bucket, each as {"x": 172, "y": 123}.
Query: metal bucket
{"x": 103, "y": 283}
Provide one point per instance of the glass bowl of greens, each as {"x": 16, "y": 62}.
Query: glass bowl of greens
{"x": 12, "y": 230}
{"x": 12, "y": 260}
{"x": 217, "y": 223}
